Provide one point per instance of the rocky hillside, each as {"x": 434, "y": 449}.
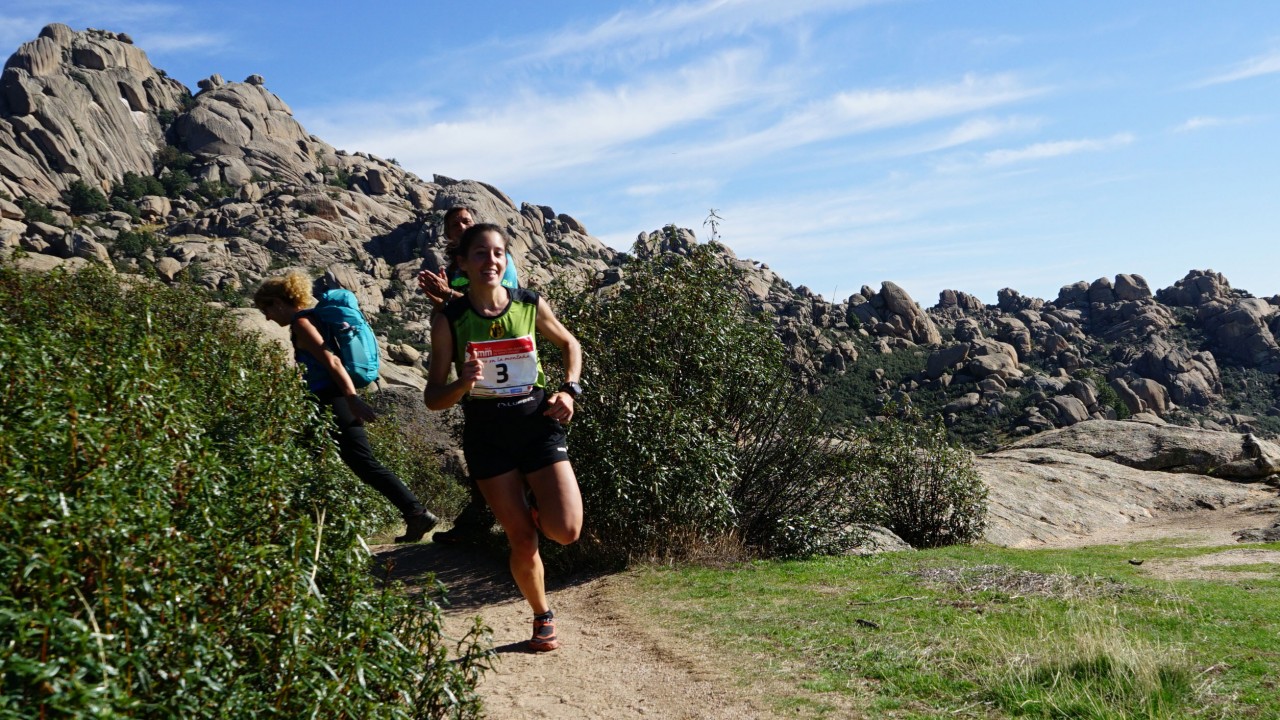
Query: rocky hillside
{"x": 105, "y": 159}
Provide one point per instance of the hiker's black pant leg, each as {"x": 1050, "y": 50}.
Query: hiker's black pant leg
{"x": 355, "y": 451}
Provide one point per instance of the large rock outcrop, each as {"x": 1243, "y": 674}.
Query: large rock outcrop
{"x": 80, "y": 106}
{"x": 1167, "y": 448}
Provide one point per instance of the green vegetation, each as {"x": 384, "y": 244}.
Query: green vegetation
{"x": 134, "y": 243}
{"x": 980, "y": 631}
{"x": 83, "y": 198}
{"x": 693, "y": 432}
{"x": 177, "y": 536}
{"x": 134, "y": 186}
{"x": 923, "y": 487}
{"x": 35, "y": 211}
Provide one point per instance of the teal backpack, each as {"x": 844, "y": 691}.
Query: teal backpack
{"x": 347, "y": 334}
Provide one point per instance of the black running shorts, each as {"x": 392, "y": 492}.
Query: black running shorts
{"x": 523, "y": 442}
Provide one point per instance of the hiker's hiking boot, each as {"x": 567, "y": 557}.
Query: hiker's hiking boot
{"x": 417, "y": 525}
{"x": 544, "y": 633}
{"x": 471, "y": 526}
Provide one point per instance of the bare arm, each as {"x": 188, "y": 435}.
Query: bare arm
{"x": 560, "y": 405}
{"x": 440, "y": 393}
{"x": 309, "y": 339}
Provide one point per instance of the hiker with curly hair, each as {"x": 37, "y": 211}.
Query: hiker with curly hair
{"x": 285, "y": 300}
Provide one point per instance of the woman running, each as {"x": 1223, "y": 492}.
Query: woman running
{"x": 284, "y": 300}
{"x": 513, "y": 437}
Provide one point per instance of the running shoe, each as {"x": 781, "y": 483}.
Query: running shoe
{"x": 544, "y": 633}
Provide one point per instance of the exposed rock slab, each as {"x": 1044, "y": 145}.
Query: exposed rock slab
{"x": 1042, "y": 496}
{"x": 1169, "y": 448}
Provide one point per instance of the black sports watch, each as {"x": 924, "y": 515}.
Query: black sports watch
{"x": 573, "y": 388}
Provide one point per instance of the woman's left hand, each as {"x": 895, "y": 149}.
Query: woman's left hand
{"x": 560, "y": 407}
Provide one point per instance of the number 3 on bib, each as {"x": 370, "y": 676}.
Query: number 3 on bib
{"x": 510, "y": 367}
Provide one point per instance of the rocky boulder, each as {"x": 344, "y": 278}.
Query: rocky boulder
{"x": 1043, "y": 495}
{"x": 1167, "y": 448}
{"x": 79, "y": 105}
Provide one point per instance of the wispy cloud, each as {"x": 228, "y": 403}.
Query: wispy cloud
{"x": 1267, "y": 64}
{"x": 860, "y": 111}
{"x": 1204, "y": 122}
{"x": 536, "y": 134}
{"x": 1042, "y": 151}
{"x": 177, "y": 42}
{"x": 975, "y": 130}
{"x": 671, "y": 26}
{"x": 669, "y": 188}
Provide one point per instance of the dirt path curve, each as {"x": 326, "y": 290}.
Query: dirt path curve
{"x": 613, "y": 665}
{"x": 610, "y": 666}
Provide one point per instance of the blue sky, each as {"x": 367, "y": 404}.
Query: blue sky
{"x": 935, "y": 143}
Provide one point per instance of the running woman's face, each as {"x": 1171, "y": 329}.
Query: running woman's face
{"x": 486, "y": 260}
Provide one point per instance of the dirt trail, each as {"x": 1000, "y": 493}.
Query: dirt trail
{"x": 611, "y": 664}
{"x": 615, "y": 665}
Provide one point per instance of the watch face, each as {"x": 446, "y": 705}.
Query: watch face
{"x": 572, "y": 388}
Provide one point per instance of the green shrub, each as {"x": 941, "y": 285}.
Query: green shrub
{"x": 691, "y": 429}
{"x": 920, "y": 484}
{"x": 133, "y": 186}
{"x": 83, "y": 198}
{"x": 127, "y": 207}
{"x": 175, "y": 182}
{"x": 133, "y": 243}
{"x": 35, "y": 211}
{"x": 212, "y": 191}
{"x": 175, "y": 541}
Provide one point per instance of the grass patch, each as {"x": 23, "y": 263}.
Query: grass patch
{"x": 981, "y": 631}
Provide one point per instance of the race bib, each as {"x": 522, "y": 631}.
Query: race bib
{"x": 510, "y": 367}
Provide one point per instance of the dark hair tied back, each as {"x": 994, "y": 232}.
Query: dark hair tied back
{"x": 475, "y": 232}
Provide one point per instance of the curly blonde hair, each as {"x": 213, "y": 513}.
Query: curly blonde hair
{"x": 294, "y": 288}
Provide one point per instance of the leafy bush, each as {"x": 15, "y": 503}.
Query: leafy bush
{"x": 34, "y": 211}
{"x": 133, "y": 243}
{"x": 133, "y": 186}
{"x": 920, "y": 484}
{"x": 83, "y": 198}
{"x": 212, "y": 191}
{"x": 173, "y": 540}
{"x": 691, "y": 428}
{"x": 175, "y": 182}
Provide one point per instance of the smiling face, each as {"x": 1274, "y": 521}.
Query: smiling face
{"x": 484, "y": 259}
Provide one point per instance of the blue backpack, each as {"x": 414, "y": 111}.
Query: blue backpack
{"x": 347, "y": 334}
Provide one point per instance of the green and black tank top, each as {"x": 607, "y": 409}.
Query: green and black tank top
{"x": 513, "y": 378}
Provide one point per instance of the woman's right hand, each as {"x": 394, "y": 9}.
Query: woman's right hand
{"x": 472, "y": 370}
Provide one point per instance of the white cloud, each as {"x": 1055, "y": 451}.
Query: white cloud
{"x": 1203, "y": 122}
{"x": 1261, "y": 65}
{"x": 971, "y": 131}
{"x": 677, "y": 25}
{"x": 670, "y": 188}
{"x": 1041, "y": 151}
{"x": 177, "y": 42}
{"x": 854, "y": 112}
{"x": 533, "y": 135}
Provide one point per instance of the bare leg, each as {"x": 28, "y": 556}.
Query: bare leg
{"x": 559, "y": 502}
{"x": 505, "y": 495}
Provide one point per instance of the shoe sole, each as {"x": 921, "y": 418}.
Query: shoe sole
{"x": 543, "y": 645}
